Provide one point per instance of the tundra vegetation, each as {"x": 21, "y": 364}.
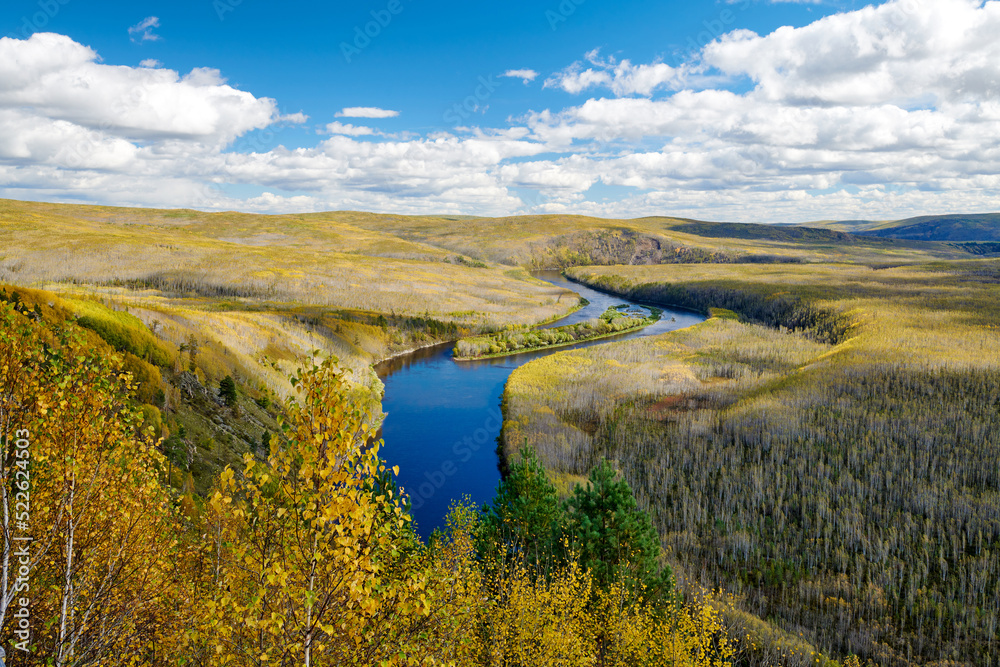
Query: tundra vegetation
{"x": 824, "y": 448}
{"x": 612, "y": 321}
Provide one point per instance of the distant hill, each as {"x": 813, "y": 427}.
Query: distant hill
{"x": 754, "y": 231}
{"x": 956, "y": 228}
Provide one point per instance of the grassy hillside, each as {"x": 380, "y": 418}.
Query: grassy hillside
{"x": 542, "y": 241}
{"x": 982, "y": 227}
{"x": 177, "y": 387}
{"x": 975, "y": 227}
{"x": 827, "y": 452}
{"x": 272, "y": 259}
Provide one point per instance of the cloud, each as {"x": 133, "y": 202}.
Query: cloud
{"x": 143, "y": 30}
{"x": 55, "y": 83}
{"x": 904, "y": 52}
{"x": 297, "y": 118}
{"x": 879, "y": 113}
{"x": 151, "y": 63}
{"x": 623, "y": 78}
{"x": 268, "y": 202}
{"x": 365, "y": 112}
{"x": 347, "y": 129}
{"x": 526, "y": 75}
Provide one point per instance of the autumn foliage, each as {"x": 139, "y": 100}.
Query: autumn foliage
{"x": 305, "y": 558}
{"x": 105, "y": 542}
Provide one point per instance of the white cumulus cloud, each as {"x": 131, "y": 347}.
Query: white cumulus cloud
{"x": 53, "y": 80}
{"x": 365, "y": 112}
{"x": 905, "y": 52}
{"x": 622, "y": 77}
{"x": 525, "y": 75}
{"x": 337, "y": 127}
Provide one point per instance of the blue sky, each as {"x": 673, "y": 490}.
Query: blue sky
{"x": 741, "y": 111}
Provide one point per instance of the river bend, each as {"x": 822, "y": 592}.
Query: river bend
{"x": 443, "y": 417}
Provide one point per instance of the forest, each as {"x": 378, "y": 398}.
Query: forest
{"x": 825, "y": 450}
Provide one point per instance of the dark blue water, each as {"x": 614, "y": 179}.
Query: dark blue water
{"x": 443, "y": 417}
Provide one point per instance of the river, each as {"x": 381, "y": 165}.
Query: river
{"x": 443, "y": 417}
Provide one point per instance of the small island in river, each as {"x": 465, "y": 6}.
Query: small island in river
{"x": 615, "y": 320}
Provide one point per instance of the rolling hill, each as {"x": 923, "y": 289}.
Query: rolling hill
{"x": 954, "y": 228}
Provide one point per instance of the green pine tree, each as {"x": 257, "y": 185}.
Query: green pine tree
{"x": 525, "y": 518}
{"x": 614, "y": 538}
{"x": 227, "y": 390}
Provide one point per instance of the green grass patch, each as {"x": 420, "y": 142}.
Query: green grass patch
{"x": 122, "y": 331}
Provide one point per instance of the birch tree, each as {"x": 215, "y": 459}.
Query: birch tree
{"x": 310, "y": 549}
{"x": 102, "y": 524}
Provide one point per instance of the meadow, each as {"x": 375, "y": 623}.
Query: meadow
{"x": 272, "y": 259}
{"x": 825, "y": 449}
{"x": 551, "y": 241}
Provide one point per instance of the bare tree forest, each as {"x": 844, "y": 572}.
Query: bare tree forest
{"x": 842, "y": 481}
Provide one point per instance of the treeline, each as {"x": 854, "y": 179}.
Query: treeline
{"x": 610, "y": 322}
{"x": 306, "y": 557}
{"x": 174, "y": 283}
{"x": 764, "y": 306}
{"x": 979, "y": 247}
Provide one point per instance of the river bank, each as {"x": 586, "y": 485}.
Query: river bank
{"x": 443, "y": 418}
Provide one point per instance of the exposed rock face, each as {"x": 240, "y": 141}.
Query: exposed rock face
{"x": 615, "y": 246}
{"x": 194, "y": 390}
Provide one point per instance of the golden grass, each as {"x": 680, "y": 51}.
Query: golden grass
{"x": 545, "y": 240}
{"x": 279, "y": 259}
{"x": 942, "y": 314}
